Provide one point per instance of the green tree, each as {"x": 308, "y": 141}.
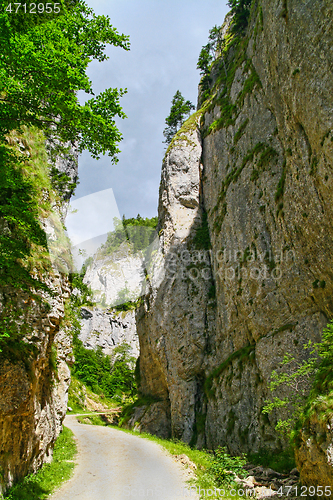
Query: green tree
{"x": 180, "y": 109}
{"x": 240, "y": 9}
{"x": 43, "y": 62}
{"x": 122, "y": 371}
{"x": 205, "y": 59}
{"x": 208, "y": 55}
{"x": 215, "y": 39}
{"x": 111, "y": 375}
{"x": 43, "y": 66}
{"x": 216, "y": 43}
{"x": 308, "y": 382}
{"x": 138, "y": 232}
{"x": 295, "y": 380}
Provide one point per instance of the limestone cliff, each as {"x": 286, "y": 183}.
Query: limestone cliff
{"x": 108, "y": 329}
{"x": 116, "y": 278}
{"x": 34, "y": 389}
{"x": 177, "y": 315}
{"x": 34, "y": 372}
{"x": 243, "y": 271}
{"x": 314, "y": 453}
{"x": 115, "y": 275}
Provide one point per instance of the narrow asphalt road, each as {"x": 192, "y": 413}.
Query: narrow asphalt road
{"x": 113, "y": 465}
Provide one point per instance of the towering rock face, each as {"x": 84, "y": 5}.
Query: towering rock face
{"x": 34, "y": 378}
{"x": 108, "y": 329}
{"x": 116, "y": 278}
{"x": 259, "y": 167}
{"x": 177, "y": 316}
{"x": 34, "y": 390}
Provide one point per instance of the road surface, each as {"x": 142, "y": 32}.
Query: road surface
{"x": 114, "y": 465}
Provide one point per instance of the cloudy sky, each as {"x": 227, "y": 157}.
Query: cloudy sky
{"x": 166, "y": 37}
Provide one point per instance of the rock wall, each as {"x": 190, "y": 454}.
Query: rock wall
{"x": 314, "y": 453}
{"x": 177, "y": 315}
{"x": 116, "y": 278}
{"x": 34, "y": 389}
{"x": 34, "y": 379}
{"x": 258, "y": 169}
{"x": 107, "y": 329}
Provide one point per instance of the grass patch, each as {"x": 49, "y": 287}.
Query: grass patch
{"x": 189, "y": 126}
{"x": 281, "y": 183}
{"x": 228, "y": 111}
{"x": 240, "y": 131}
{"x": 280, "y": 461}
{"x": 40, "y": 485}
{"x": 93, "y": 420}
{"x": 314, "y": 165}
{"x": 77, "y": 398}
{"x": 266, "y": 156}
{"x": 129, "y": 305}
{"x": 250, "y": 83}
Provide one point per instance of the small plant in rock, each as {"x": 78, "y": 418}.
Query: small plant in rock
{"x": 225, "y": 467}
{"x": 296, "y": 377}
{"x": 307, "y": 381}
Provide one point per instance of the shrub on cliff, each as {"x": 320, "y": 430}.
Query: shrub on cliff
{"x": 309, "y": 384}
{"x": 180, "y": 110}
{"x": 240, "y": 9}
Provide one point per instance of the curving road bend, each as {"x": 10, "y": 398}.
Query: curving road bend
{"x": 113, "y": 465}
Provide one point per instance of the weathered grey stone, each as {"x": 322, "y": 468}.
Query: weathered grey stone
{"x": 212, "y": 359}
{"x": 177, "y": 314}
{"x": 154, "y": 418}
{"x": 116, "y": 278}
{"x": 108, "y": 328}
